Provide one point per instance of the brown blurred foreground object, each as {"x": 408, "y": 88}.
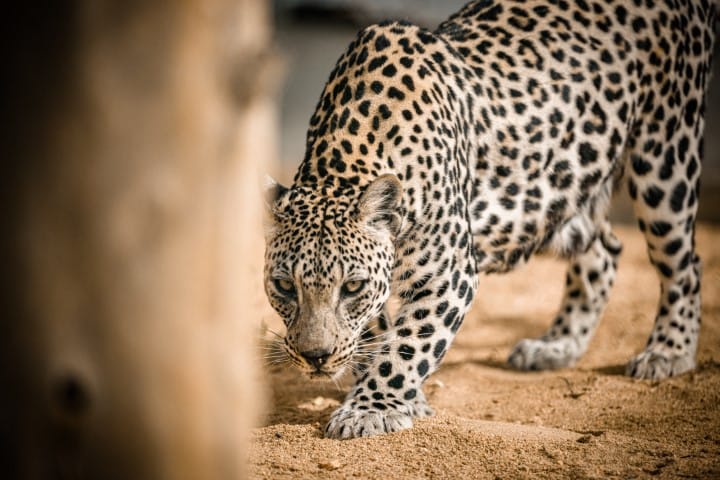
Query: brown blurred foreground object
{"x": 131, "y": 137}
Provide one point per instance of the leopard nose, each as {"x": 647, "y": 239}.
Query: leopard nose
{"x": 317, "y": 357}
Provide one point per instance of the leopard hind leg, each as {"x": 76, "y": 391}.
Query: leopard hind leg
{"x": 593, "y": 250}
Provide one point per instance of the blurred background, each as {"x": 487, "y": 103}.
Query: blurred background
{"x": 311, "y": 35}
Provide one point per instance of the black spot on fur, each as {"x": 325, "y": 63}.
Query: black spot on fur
{"x": 381, "y": 43}
{"x": 423, "y": 367}
{"x": 653, "y": 196}
{"x": 439, "y": 349}
{"x": 385, "y": 369}
{"x": 587, "y": 153}
{"x": 397, "y": 381}
{"x": 677, "y": 197}
{"x": 660, "y": 228}
{"x": 406, "y": 352}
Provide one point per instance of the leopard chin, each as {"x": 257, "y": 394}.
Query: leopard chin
{"x": 319, "y": 376}
{"x": 337, "y": 376}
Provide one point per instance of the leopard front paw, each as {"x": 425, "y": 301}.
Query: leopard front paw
{"x": 420, "y": 406}
{"x": 354, "y": 419}
{"x": 656, "y": 365}
{"x": 531, "y": 354}
{"x": 349, "y": 423}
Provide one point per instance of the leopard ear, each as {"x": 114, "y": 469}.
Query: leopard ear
{"x": 379, "y": 204}
{"x": 273, "y": 192}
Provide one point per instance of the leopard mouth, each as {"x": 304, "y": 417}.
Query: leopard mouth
{"x": 327, "y": 372}
{"x": 319, "y": 372}
{"x": 335, "y": 366}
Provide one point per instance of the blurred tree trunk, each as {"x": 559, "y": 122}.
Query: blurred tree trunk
{"x": 132, "y": 136}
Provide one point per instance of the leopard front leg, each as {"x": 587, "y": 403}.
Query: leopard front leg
{"x": 390, "y": 394}
{"x": 375, "y": 332}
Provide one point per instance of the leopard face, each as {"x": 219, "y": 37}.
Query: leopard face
{"x": 328, "y": 271}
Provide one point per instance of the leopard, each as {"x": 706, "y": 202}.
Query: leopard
{"x": 434, "y": 156}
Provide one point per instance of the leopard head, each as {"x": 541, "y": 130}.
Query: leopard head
{"x": 328, "y": 268}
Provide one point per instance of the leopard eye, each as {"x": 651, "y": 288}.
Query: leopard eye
{"x": 353, "y": 287}
{"x": 284, "y": 286}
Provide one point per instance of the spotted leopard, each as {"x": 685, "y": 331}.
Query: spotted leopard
{"x": 433, "y": 156}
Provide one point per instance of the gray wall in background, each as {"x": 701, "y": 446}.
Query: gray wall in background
{"x": 311, "y": 35}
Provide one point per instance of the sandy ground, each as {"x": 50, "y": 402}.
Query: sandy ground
{"x": 589, "y": 421}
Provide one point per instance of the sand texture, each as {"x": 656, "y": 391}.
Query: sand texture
{"x": 589, "y": 421}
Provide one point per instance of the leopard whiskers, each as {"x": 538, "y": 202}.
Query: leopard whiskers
{"x": 274, "y": 351}
{"x": 270, "y": 330}
{"x": 374, "y": 337}
{"x": 335, "y": 382}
